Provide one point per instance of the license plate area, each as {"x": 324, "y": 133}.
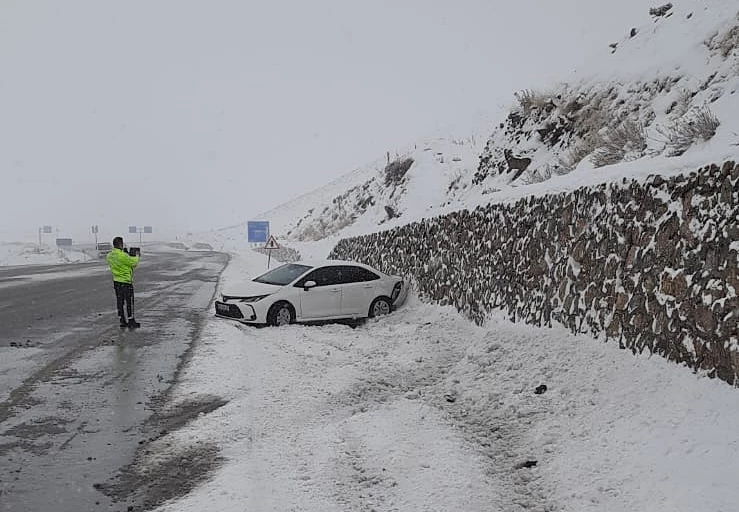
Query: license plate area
{"x": 228, "y": 310}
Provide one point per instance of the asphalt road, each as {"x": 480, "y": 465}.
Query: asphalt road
{"x": 79, "y": 398}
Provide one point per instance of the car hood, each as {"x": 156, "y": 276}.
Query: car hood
{"x": 249, "y": 289}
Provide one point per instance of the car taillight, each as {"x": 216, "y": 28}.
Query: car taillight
{"x": 396, "y": 290}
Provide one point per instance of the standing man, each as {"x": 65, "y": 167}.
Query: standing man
{"x": 122, "y": 265}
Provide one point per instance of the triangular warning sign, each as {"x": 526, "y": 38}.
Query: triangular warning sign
{"x": 271, "y": 243}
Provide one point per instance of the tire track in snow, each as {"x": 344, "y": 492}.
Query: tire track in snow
{"x": 427, "y": 374}
{"x": 334, "y": 418}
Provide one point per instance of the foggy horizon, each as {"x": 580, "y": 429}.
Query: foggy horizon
{"x": 189, "y": 116}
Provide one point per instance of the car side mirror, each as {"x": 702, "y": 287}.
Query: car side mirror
{"x": 308, "y": 285}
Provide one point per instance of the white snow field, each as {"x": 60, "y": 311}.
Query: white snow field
{"x": 423, "y": 411}
{"x": 22, "y": 253}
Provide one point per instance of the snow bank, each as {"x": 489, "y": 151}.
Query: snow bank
{"x": 421, "y": 410}
{"x": 29, "y": 254}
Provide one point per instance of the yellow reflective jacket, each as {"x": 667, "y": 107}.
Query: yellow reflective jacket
{"x": 122, "y": 265}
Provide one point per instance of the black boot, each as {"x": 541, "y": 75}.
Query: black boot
{"x": 124, "y": 322}
{"x": 133, "y": 324}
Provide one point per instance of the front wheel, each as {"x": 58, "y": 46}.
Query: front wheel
{"x": 380, "y": 306}
{"x": 280, "y": 314}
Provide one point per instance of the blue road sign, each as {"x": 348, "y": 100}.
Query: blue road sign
{"x": 132, "y": 229}
{"x": 257, "y": 231}
{"x": 148, "y": 229}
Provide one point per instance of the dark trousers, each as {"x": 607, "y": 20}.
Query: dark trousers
{"x": 124, "y": 293}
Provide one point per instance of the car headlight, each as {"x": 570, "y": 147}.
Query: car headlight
{"x": 256, "y": 298}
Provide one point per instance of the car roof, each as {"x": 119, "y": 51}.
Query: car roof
{"x": 330, "y": 263}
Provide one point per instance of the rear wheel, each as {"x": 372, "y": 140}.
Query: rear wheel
{"x": 380, "y": 306}
{"x": 281, "y": 313}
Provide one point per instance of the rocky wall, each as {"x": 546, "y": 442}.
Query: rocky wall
{"x": 651, "y": 264}
{"x": 283, "y": 254}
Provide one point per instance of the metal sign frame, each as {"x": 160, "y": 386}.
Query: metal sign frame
{"x": 271, "y": 244}
{"x": 257, "y": 231}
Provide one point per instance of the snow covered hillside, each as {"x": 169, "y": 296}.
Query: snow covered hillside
{"x": 664, "y": 98}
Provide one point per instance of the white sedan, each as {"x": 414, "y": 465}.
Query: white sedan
{"x": 313, "y": 292}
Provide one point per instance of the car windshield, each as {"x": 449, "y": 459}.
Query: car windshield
{"x": 105, "y": 246}
{"x": 283, "y": 275}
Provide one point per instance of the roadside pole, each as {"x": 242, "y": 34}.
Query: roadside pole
{"x": 41, "y": 230}
{"x": 270, "y": 246}
{"x": 95, "y": 230}
{"x": 140, "y": 230}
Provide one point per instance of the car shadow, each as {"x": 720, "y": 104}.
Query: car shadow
{"x": 350, "y": 323}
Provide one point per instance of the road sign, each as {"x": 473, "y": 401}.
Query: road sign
{"x": 64, "y": 242}
{"x": 132, "y": 229}
{"x": 148, "y": 229}
{"x": 47, "y": 229}
{"x": 96, "y": 229}
{"x": 271, "y": 244}
{"x": 257, "y": 231}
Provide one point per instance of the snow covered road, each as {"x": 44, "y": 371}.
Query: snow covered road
{"x": 422, "y": 411}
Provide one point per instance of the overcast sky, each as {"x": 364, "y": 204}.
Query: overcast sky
{"x": 188, "y": 115}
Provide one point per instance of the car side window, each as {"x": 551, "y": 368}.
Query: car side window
{"x": 346, "y": 275}
{"x": 325, "y": 276}
{"x": 352, "y": 274}
{"x": 331, "y": 275}
{"x": 362, "y": 275}
{"x": 313, "y": 276}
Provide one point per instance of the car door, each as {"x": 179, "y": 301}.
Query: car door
{"x": 324, "y": 299}
{"x": 359, "y": 288}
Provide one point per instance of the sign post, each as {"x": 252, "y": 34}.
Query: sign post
{"x": 257, "y": 231}
{"x": 140, "y": 231}
{"x": 42, "y": 229}
{"x": 95, "y": 231}
{"x": 271, "y": 245}
{"x": 147, "y": 230}
{"x": 63, "y": 244}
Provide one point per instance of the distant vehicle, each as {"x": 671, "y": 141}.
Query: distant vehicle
{"x": 313, "y": 292}
{"x": 103, "y": 248}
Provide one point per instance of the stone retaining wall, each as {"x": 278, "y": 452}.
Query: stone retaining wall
{"x": 283, "y": 254}
{"x": 652, "y": 264}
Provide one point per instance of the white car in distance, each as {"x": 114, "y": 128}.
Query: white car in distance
{"x": 313, "y": 292}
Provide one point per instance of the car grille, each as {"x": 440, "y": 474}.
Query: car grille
{"x": 228, "y": 310}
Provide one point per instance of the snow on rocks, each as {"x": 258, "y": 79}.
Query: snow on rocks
{"x": 599, "y": 260}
